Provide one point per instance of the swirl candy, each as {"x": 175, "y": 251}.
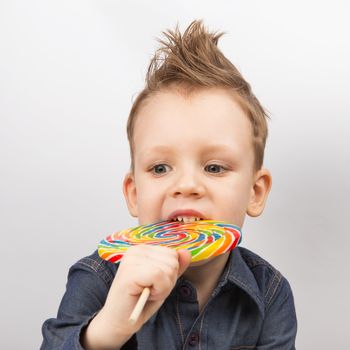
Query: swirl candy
{"x": 204, "y": 239}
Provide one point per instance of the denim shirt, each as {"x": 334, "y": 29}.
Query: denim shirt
{"x": 251, "y": 307}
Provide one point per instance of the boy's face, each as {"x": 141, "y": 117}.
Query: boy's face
{"x": 193, "y": 157}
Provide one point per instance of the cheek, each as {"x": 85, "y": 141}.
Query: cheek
{"x": 148, "y": 201}
{"x": 235, "y": 200}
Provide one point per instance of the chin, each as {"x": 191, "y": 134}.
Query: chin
{"x": 206, "y": 261}
{"x": 202, "y": 262}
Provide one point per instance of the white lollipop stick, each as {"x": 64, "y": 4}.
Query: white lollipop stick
{"x": 139, "y": 305}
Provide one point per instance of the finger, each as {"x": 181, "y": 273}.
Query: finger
{"x": 162, "y": 255}
{"x": 153, "y": 274}
{"x": 159, "y": 281}
{"x": 161, "y": 251}
{"x": 184, "y": 260}
{"x": 161, "y": 289}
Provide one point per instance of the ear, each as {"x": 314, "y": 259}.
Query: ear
{"x": 259, "y": 193}
{"x": 130, "y": 194}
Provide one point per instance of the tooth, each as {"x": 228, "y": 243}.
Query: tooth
{"x": 186, "y": 219}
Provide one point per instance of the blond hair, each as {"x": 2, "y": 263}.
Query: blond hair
{"x": 192, "y": 61}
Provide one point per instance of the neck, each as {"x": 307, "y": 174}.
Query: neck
{"x": 205, "y": 276}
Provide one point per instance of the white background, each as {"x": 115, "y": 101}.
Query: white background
{"x": 68, "y": 73}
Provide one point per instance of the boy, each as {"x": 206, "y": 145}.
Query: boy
{"x": 197, "y": 136}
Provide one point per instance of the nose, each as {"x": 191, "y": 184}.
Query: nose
{"x": 188, "y": 184}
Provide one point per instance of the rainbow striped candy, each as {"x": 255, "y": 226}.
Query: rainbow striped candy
{"x": 204, "y": 239}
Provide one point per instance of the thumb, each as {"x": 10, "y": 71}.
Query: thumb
{"x": 184, "y": 260}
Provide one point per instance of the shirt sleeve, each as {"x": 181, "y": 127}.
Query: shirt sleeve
{"x": 280, "y": 324}
{"x": 87, "y": 287}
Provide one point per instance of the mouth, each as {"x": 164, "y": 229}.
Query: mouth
{"x": 186, "y": 216}
{"x": 186, "y": 219}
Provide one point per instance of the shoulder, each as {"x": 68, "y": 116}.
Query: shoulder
{"x": 92, "y": 263}
{"x": 260, "y": 278}
{"x": 273, "y": 295}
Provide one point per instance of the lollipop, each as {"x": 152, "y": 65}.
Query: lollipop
{"x": 203, "y": 239}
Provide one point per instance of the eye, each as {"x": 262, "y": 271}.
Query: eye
{"x": 215, "y": 168}
{"x": 160, "y": 169}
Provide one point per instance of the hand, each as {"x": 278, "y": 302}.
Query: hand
{"x": 142, "y": 266}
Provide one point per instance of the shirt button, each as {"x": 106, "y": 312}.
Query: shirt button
{"x": 193, "y": 339}
{"x": 185, "y": 291}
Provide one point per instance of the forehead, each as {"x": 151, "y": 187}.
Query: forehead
{"x": 208, "y": 117}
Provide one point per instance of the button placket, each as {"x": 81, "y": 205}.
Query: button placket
{"x": 193, "y": 339}
{"x": 186, "y": 291}
{"x": 187, "y": 297}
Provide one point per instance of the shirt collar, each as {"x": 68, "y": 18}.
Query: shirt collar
{"x": 238, "y": 273}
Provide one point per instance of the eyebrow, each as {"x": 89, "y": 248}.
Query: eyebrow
{"x": 213, "y": 148}
{"x": 159, "y": 148}
{"x": 218, "y": 148}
